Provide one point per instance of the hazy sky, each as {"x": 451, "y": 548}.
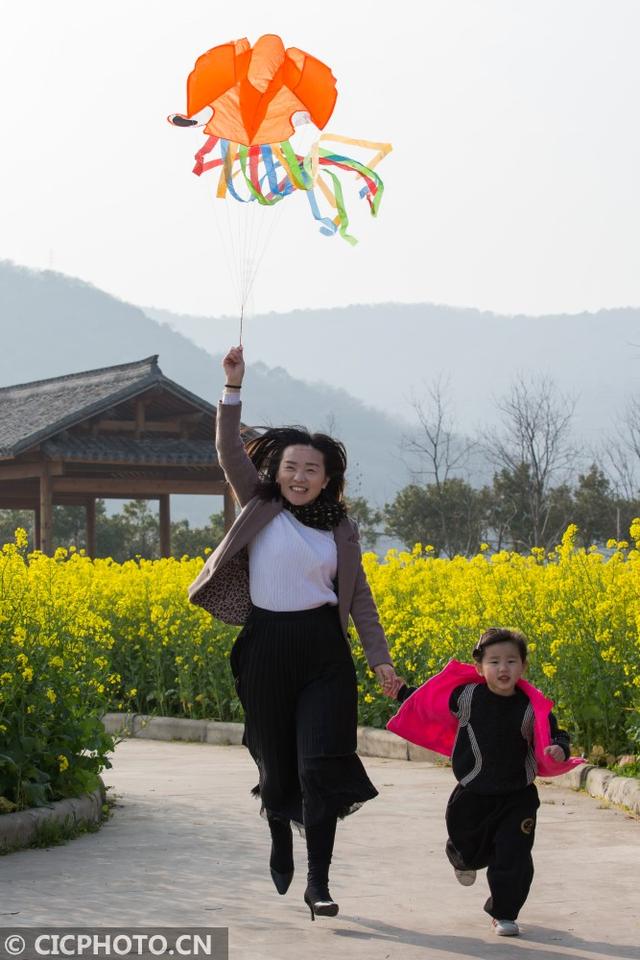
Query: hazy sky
{"x": 513, "y": 185}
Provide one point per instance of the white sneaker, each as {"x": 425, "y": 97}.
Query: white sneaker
{"x": 506, "y": 928}
{"x": 466, "y": 877}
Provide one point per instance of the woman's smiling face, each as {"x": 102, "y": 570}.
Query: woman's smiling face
{"x": 301, "y": 474}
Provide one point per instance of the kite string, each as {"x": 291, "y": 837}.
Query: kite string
{"x": 264, "y": 244}
{"x": 229, "y": 241}
{"x": 248, "y": 239}
{"x": 225, "y": 244}
{"x": 255, "y": 232}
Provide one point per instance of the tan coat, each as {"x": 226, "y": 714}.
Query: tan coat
{"x": 354, "y": 594}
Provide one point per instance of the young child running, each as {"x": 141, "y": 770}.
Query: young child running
{"x": 500, "y": 733}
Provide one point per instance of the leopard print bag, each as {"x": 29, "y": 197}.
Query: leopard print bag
{"x": 226, "y": 595}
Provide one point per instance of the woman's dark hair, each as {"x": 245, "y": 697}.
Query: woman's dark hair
{"x": 500, "y": 635}
{"x": 265, "y": 452}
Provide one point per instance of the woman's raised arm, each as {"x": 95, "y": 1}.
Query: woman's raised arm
{"x": 238, "y": 468}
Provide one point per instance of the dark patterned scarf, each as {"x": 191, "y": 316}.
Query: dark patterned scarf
{"x": 321, "y": 514}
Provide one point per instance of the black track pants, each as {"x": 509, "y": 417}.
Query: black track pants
{"x": 496, "y": 832}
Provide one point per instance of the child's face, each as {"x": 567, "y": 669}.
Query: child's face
{"x": 501, "y": 667}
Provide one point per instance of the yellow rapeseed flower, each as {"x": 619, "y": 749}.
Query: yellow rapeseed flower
{"x": 84, "y": 625}
{"x": 21, "y": 538}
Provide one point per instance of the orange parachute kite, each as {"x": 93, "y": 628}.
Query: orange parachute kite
{"x": 255, "y": 92}
{"x": 258, "y": 95}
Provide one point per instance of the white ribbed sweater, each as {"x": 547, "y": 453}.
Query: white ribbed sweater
{"x": 292, "y": 566}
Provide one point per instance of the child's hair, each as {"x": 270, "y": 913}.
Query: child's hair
{"x": 500, "y": 635}
{"x": 265, "y": 451}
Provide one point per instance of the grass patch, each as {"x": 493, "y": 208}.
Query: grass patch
{"x": 627, "y": 769}
{"x": 55, "y": 833}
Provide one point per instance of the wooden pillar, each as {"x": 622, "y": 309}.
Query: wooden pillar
{"x": 90, "y": 514}
{"x": 46, "y": 512}
{"x": 165, "y": 525}
{"x": 36, "y": 528}
{"x": 229, "y": 509}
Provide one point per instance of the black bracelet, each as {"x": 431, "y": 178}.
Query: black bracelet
{"x": 231, "y": 386}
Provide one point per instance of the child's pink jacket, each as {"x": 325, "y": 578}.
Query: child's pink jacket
{"x": 425, "y": 718}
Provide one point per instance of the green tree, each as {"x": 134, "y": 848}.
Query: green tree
{"x": 70, "y": 526}
{"x": 142, "y": 528}
{"x": 625, "y": 512}
{"x": 449, "y": 516}
{"x": 509, "y": 508}
{"x": 193, "y": 541}
{"x": 112, "y": 534}
{"x": 596, "y": 510}
{"x": 131, "y": 532}
{"x": 10, "y": 520}
{"x": 519, "y": 518}
{"x": 368, "y": 518}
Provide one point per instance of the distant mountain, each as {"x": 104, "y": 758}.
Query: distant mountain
{"x": 51, "y": 324}
{"x": 301, "y": 364}
{"x": 383, "y": 353}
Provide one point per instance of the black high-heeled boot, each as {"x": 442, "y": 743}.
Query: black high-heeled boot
{"x": 320, "y": 901}
{"x": 281, "y": 859}
{"x": 320, "y": 839}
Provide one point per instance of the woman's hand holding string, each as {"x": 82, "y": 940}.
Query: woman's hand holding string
{"x": 233, "y": 366}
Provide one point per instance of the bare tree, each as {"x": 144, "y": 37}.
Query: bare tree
{"x": 621, "y": 460}
{"x": 632, "y": 423}
{"x": 534, "y": 443}
{"x": 440, "y": 455}
{"x": 330, "y": 424}
{"x": 622, "y": 452}
{"x": 440, "y": 451}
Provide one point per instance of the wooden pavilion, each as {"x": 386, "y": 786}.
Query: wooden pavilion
{"x": 125, "y": 432}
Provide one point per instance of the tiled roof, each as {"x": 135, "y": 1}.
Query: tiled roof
{"x": 129, "y": 450}
{"x": 32, "y": 412}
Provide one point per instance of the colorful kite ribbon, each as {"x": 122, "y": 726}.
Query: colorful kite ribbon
{"x": 271, "y": 172}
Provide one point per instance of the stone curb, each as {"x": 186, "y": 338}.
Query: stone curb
{"x": 19, "y": 829}
{"x": 173, "y": 728}
{"x": 372, "y": 742}
{"x": 603, "y": 785}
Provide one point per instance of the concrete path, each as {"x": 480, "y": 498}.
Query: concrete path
{"x": 186, "y": 846}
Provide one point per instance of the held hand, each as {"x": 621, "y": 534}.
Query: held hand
{"x": 397, "y": 683}
{"x": 387, "y": 679}
{"x": 555, "y": 752}
{"x": 233, "y": 366}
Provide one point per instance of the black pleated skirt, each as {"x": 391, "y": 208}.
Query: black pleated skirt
{"x": 296, "y": 681}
